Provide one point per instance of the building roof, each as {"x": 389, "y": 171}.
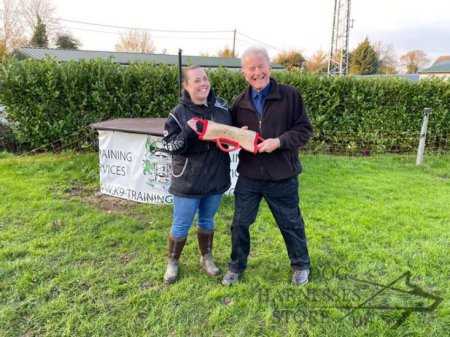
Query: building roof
{"x": 64, "y": 55}
{"x": 148, "y": 126}
{"x": 441, "y": 67}
{"x": 442, "y": 59}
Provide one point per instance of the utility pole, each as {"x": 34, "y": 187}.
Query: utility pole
{"x": 234, "y": 42}
{"x": 338, "y": 57}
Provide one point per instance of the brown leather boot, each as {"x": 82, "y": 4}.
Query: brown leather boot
{"x": 205, "y": 243}
{"x": 176, "y": 246}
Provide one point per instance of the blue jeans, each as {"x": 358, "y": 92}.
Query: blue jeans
{"x": 283, "y": 200}
{"x": 184, "y": 210}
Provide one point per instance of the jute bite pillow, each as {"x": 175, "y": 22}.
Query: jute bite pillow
{"x": 224, "y": 134}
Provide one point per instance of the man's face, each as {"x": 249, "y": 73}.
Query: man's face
{"x": 256, "y": 71}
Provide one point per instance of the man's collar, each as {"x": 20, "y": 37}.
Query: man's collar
{"x": 264, "y": 92}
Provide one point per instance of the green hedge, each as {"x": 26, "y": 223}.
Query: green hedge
{"x": 48, "y": 101}
{"x": 378, "y": 114}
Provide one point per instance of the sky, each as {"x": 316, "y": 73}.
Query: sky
{"x": 208, "y": 26}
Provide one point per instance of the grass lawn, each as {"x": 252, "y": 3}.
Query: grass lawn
{"x": 76, "y": 263}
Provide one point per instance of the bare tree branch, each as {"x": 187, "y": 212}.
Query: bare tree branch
{"x": 31, "y": 9}
{"x": 12, "y": 32}
{"x": 137, "y": 41}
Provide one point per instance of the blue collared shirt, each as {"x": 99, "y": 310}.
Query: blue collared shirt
{"x": 259, "y": 98}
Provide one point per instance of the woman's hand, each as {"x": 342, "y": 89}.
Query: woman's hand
{"x": 192, "y": 124}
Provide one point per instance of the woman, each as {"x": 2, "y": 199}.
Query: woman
{"x": 200, "y": 170}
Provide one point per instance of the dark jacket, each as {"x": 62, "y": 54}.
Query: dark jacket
{"x": 284, "y": 116}
{"x": 199, "y": 168}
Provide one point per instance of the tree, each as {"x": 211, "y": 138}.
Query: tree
{"x": 290, "y": 59}
{"x": 39, "y": 38}
{"x": 317, "y": 63}
{"x": 414, "y": 60}
{"x": 135, "y": 41}
{"x": 32, "y": 9}
{"x": 66, "y": 41}
{"x": 3, "y": 50}
{"x": 12, "y": 33}
{"x": 227, "y": 52}
{"x": 364, "y": 59}
{"x": 386, "y": 57}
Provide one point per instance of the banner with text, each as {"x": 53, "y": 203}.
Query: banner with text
{"x": 136, "y": 167}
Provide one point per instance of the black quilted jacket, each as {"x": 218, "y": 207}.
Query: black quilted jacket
{"x": 199, "y": 168}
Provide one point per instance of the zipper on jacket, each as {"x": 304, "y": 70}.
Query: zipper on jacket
{"x": 260, "y": 121}
{"x": 212, "y": 119}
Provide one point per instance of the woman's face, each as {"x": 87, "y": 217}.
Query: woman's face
{"x": 197, "y": 85}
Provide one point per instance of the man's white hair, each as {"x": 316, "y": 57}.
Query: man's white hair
{"x": 255, "y": 51}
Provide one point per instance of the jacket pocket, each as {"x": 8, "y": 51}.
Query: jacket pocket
{"x": 178, "y": 167}
{"x": 295, "y": 164}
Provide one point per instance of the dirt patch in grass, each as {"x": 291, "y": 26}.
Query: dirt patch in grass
{"x": 103, "y": 202}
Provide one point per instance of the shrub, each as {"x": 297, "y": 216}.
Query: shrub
{"x": 50, "y": 101}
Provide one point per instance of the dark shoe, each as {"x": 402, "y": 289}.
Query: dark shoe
{"x": 230, "y": 278}
{"x": 300, "y": 277}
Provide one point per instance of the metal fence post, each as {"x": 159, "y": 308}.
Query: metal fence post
{"x": 423, "y": 136}
{"x": 180, "y": 72}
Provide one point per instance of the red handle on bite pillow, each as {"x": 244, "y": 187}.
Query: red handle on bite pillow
{"x": 257, "y": 139}
{"x": 205, "y": 125}
{"x": 219, "y": 142}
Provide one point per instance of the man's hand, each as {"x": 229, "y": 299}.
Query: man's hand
{"x": 269, "y": 145}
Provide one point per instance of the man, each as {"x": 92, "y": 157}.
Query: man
{"x": 278, "y": 113}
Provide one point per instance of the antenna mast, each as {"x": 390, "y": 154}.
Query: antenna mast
{"x": 338, "y": 58}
